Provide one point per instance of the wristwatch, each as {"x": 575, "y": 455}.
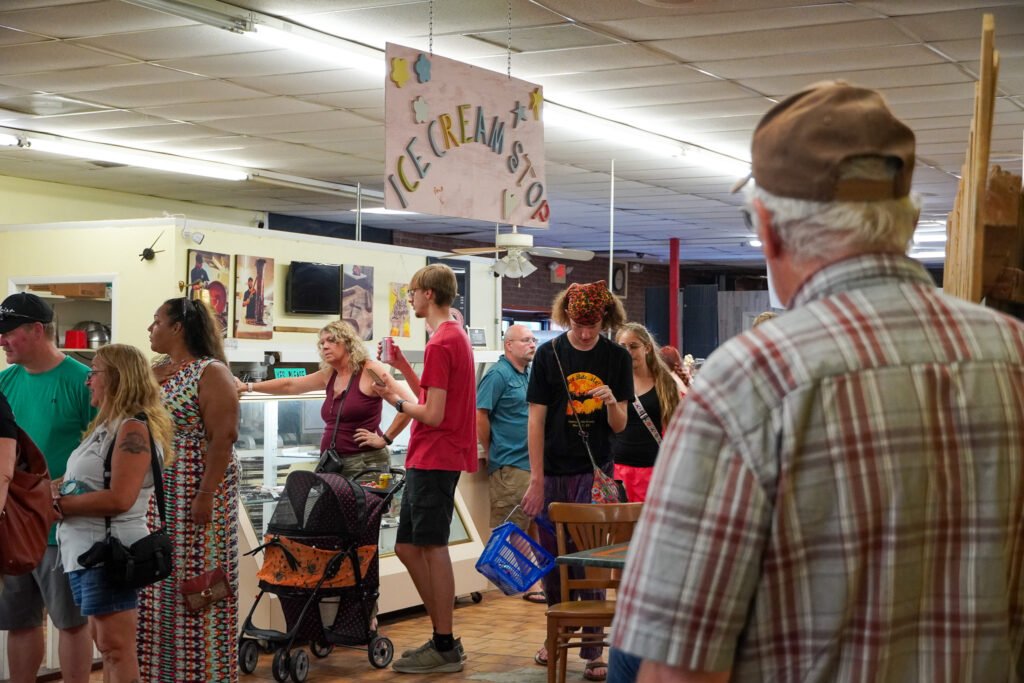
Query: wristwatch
{"x": 398, "y": 404}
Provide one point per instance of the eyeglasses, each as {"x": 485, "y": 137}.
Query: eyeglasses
{"x": 413, "y": 291}
{"x": 91, "y": 374}
{"x": 526, "y": 340}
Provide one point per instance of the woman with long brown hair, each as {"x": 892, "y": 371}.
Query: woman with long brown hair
{"x": 201, "y": 488}
{"x": 122, "y": 388}
{"x": 655, "y": 398}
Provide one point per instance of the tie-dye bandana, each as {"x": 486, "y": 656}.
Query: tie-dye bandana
{"x": 587, "y": 303}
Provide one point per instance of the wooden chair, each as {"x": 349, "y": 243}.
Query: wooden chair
{"x": 588, "y": 526}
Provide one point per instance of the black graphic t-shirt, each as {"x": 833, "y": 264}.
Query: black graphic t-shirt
{"x": 606, "y": 363}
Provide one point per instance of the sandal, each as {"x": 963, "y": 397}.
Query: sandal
{"x": 536, "y": 597}
{"x": 590, "y": 672}
{"x": 541, "y": 658}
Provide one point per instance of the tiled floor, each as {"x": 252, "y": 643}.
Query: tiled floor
{"x": 500, "y": 635}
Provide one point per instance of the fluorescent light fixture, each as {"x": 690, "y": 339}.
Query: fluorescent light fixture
{"x": 343, "y": 53}
{"x": 605, "y": 129}
{"x": 310, "y": 185}
{"x": 8, "y": 140}
{"x": 927, "y": 254}
{"x": 726, "y": 165}
{"x": 929, "y": 237}
{"x": 380, "y": 210}
{"x": 134, "y": 157}
{"x": 186, "y": 10}
{"x": 566, "y": 117}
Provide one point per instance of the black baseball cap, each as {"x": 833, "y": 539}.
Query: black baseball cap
{"x": 21, "y": 308}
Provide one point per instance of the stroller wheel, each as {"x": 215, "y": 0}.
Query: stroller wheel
{"x": 321, "y": 648}
{"x": 281, "y": 665}
{"x": 380, "y": 652}
{"x": 299, "y": 666}
{"x": 476, "y": 597}
{"x": 248, "y": 656}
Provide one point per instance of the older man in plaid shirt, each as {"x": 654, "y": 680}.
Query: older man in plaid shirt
{"x": 842, "y": 498}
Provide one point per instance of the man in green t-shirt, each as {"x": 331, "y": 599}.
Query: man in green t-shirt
{"x": 47, "y": 393}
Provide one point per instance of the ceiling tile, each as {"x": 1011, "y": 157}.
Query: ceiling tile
{"x": 812, "y": 62}
{"x": 765, "y": 44}
{"x": 215, "y": 111}
{"x": 179, "y": 42}
{"x": 73, "y": 80}
{"x": 94, "y": 18}
{"x": 35, "y": 57}
{"x": 170, "y": 94}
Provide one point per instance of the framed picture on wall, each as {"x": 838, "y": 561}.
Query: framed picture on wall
{"x": 209, "y": 280}
{"x": 398, "y": 309}
{"x": 254, "y": 297}
{"x": 357, "y": 299}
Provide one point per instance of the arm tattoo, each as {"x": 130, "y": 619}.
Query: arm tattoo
{"x": 135, "y": 443}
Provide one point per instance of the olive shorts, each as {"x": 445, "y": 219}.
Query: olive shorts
{"x": 508, "y": 485}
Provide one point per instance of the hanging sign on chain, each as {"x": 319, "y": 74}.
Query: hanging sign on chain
{"x": 463, "y": 141}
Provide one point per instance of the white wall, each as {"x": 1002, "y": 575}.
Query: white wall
{"x": 109, "y": 251}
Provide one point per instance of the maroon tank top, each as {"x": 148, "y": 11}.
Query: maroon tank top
{"x": 361, "y": 412}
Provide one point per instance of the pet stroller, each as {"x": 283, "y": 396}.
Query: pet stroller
{"x": 320, "y": 559}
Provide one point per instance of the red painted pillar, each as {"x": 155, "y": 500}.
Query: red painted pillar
{"x": 673, "y": 292}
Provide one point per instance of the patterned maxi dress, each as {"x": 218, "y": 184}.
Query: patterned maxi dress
{"x": 176, "y": 646}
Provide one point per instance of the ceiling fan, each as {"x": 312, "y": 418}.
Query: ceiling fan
{"x": 515, "y": 263}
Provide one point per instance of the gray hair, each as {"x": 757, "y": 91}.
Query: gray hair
{"x": 814, "y": 231}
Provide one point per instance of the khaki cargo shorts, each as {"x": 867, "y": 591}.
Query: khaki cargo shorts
{"x": 508, "y": 484}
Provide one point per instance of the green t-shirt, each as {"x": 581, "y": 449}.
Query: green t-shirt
{"x": 53, "y": 408}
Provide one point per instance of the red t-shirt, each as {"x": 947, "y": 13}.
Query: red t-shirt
{"x": 448, "y": 365}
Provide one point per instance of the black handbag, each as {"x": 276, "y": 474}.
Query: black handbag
{"x": 330, "y": 461}
{"x": 149, "y": 559}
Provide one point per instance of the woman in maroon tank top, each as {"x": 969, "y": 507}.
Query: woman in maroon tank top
{"x": 354, "y": 435}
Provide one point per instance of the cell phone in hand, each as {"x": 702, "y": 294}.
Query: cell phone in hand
{"x": 376, "y": 378}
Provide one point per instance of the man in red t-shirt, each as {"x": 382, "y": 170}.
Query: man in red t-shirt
{"x": 442, "y": 446}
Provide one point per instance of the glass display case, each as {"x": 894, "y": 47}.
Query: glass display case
{"x": 281, "y": 434}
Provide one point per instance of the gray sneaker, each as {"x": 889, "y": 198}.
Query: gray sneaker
{"x": 430, "y": 643}
{"x": 427, "y": 659}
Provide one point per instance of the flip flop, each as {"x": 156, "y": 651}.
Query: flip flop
{"x": 537, "y": 597}
{"x": 590, "y": 675}
{"x": 541, "y": 658}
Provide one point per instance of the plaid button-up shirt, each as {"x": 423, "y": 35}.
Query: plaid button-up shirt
{"x": 842, "y": 498}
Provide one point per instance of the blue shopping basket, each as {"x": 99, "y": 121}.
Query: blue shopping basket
{"x": 513, "y": 561}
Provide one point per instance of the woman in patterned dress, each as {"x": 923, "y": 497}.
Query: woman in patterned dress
{"x": 202, "y": 501}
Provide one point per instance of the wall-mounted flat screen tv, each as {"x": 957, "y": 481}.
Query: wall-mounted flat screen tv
{"x": 313, "y": 288}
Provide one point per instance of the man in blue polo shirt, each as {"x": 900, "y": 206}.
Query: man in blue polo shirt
{"x": 501, "y": 419}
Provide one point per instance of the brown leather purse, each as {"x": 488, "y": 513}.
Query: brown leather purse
{"x": 206, "y": 589}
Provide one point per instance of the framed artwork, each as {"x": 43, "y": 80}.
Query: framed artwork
{"x": 398, "y": 307}
{"x": 357, "y": 299}
{"x": 254, "y": 297}
{"x": 209, "y": 279}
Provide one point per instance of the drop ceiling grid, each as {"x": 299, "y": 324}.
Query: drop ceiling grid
{"x": 274, "y": 108}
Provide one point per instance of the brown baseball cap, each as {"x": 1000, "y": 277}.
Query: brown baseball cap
{"x": 801, "y": 143}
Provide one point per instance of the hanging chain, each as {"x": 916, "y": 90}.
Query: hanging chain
{"x": 508, "y": 50}
{"x": 431, "y": 39}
